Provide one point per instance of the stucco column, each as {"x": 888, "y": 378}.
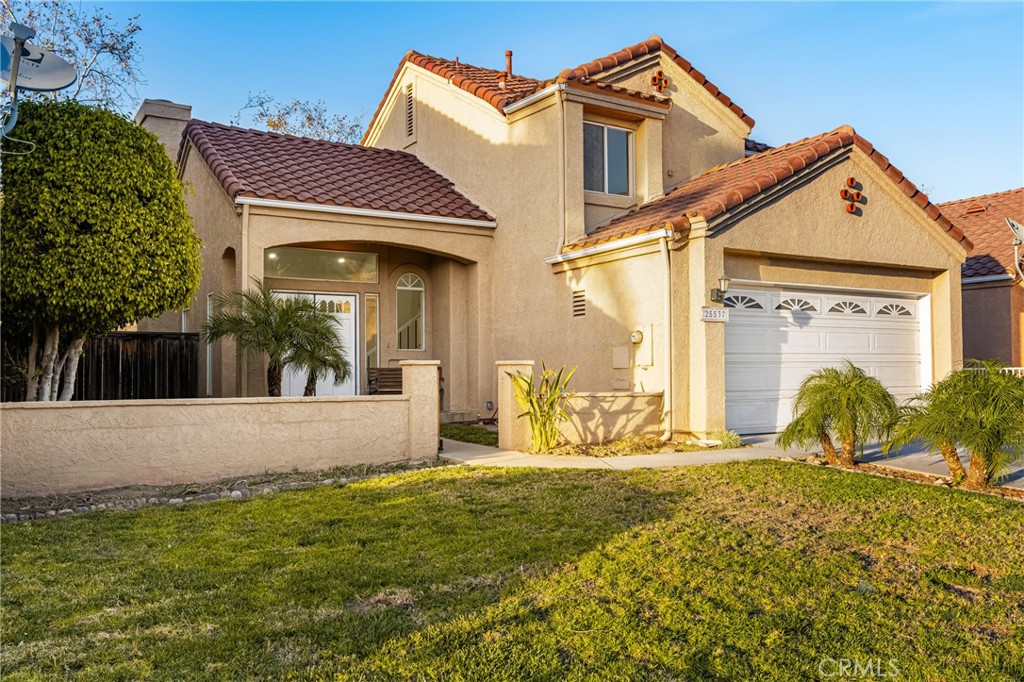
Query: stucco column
{"x": 513, "y": 433}
{"x": 419, "y": 382}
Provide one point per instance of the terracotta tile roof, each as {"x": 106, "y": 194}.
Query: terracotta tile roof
{"x": 983, "y": 219}
{"x": 255, "y": 163}
{"x": 728, "y": 185}
{"x": 650, "y": 46}
{"x": 485, "y": 83}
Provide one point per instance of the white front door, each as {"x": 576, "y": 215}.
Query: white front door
{"x": 343, "y": 308}
{"x": 776, "y": 337}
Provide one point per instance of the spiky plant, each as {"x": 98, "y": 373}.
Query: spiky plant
{"x": 544, "y": 402}
{"x": 842, "y": 401}
{"x": 263, "y": 323}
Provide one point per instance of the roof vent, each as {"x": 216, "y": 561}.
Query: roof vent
{"x": 975, "y": 208}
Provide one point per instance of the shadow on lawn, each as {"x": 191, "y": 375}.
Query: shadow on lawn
{"x": 281, "y": 582}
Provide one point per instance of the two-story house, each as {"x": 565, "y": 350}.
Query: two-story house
{"x": 610, "y": 217}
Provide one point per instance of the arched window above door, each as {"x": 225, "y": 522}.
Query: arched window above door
{"x": 410, "y": 297}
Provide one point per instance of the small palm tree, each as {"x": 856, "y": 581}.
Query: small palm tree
{"x": 987, "y": 414}
{"x": 319, "y": 352}
{"x": 932, "y": 418}
{"x": 847, "y": 402}
{"x": 263, "y": 323}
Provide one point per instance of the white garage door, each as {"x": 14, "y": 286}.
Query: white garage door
{"x": 776, "y": 337}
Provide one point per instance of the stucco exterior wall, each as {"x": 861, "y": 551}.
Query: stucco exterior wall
{"x": 54, "y": 448}
{"x": 805, "y": 237}
{"x": 603, "y": 417}
{"x": 993, "y": 317}
{"x": 699, "y": 132}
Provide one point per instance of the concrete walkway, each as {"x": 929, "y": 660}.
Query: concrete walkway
{"x": 758, "y": 447}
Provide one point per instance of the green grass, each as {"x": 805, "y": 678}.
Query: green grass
{"x": 470, "y": 434}
{"x": 743, "y": 571}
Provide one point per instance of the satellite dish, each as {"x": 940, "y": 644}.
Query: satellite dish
{"x": 39, "y": 70}
{"x": 1018, "y": 229}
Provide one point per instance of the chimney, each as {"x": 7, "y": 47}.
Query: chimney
{"x": 166, "y": 120}
{"x": 508, "y": 62}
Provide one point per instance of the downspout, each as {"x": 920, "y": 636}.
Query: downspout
{"x": 244, "y": 284}
{"x": 561, "y": 169}
{"x": 666, "y": 416}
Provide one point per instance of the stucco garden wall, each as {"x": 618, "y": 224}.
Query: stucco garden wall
{"x": 53, "y": 448}
{"x": 993, "y": 319}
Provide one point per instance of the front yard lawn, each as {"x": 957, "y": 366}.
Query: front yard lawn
{"x": 757, "y": 570}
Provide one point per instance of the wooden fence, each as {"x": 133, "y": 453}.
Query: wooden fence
{"x": 130, "y": 366}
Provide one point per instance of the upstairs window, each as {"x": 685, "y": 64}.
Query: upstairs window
{"x": 410, "y": 312}
{"x": 607, "y": 165}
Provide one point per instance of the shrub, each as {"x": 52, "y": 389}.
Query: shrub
{"x": 543, "y": 401}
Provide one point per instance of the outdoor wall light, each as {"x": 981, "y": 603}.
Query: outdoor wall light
{"x": 718, "y": 295}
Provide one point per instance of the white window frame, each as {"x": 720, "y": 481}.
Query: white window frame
{"x": 630, "y": 158}
{"x": 423, "y": 312}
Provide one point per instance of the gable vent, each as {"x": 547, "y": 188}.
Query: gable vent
{"x": 409, "y": 121}
{"x": 579, "y": 303}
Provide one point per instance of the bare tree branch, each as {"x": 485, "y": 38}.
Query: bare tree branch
{"x": 305, "y": 118}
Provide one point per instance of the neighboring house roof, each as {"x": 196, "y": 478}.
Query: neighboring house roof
{"x": 485, "y": 83}
{"x": 983, "y": 219}
{"x": 255, "y": 163}
{"x": 728, "y": 185}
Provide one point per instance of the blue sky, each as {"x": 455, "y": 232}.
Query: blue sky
{"x": 938, "y": 88}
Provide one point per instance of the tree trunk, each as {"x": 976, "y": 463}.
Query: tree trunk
{"x": 829, "y": 448}
{"x": 274, "y": 380}
{"x": 847, "y": 452}
{"x": 953, "y": 463}
{"x": 310, "y": 384}
{"x": 977, "y": 473}
{"x": 58, "y": 368}
{"x": 32, "y": 383}
{"x": 71, "y": 368}
{"x": 49, "y": 360}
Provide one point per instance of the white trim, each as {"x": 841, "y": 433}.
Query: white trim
{"x": 924, "y": 318}
{"x": 209, "y": 349}
{"x": 987, "y": 278}
{"x": 535, "y": 97}
{"x": 610, "y": 246}
{"x": 367, "y": 212}
{"x": 756, "y": 283}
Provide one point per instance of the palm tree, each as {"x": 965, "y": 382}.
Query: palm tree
{"x": 319, "y": 352}
{"x": 932, "y": 418}
{"x": 263, "y": 323}
{"x": 847, "y": 402}
{"x": 989, "y": 419}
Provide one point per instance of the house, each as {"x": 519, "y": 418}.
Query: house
{"x": 610, "y": 217}
{"x": 993, "y": 291}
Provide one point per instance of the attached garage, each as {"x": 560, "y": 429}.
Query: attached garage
{"x": 776, "y": 336}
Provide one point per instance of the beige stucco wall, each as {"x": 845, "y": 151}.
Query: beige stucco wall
{"x": 807, "y": 238}
{"x": 699, "y": 131}
{"x": 993, "y": 318}
{"x": 53, "y": 448}
{"x": 604, "y": 417}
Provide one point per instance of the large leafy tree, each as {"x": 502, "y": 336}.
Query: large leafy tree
{"x": 95, "y": 235}
{"x": 286, "y": 331}
{"x": 842, "y": 401}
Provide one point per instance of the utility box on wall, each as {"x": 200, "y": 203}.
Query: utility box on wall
{"x": 643, "y": 345}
